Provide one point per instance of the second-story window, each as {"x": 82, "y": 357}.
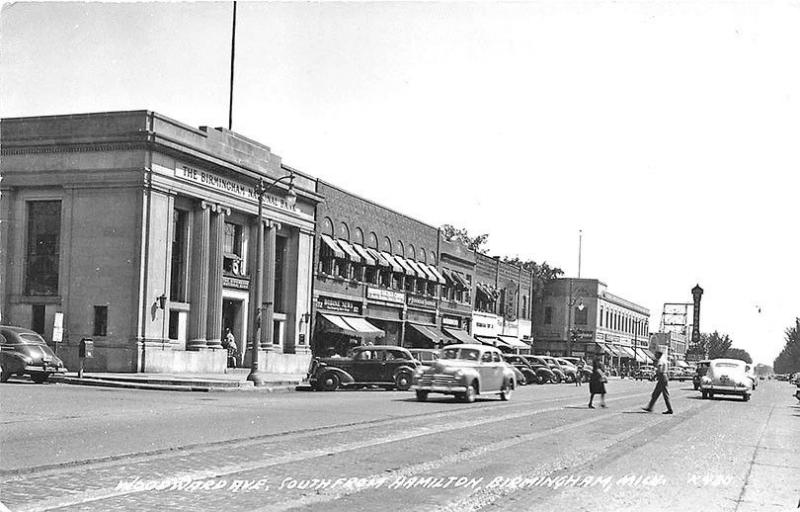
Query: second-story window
{"x": 548, "y": 315}
{"x": 232, "y": 261}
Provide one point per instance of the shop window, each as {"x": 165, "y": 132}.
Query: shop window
{"x": 370, "y": 275}
{"x": 581, "y": 316}
{"x": 179, "y": 268}
{"x": 548, "y": 315}
{"x": 397, "y": 281}
{"x": 431, "y": 288}
{"x": 42, "y": 258}
{"x": 100, "y": 321}
{"x": 386, "y": 278}
{"x": 409, "y": 284}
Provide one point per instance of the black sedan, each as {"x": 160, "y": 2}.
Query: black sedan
{"x": 24, "y": 352}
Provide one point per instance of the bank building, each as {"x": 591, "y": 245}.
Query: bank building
{"x": 141, "y": 232}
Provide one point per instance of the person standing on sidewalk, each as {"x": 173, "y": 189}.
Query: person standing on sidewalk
{"x": 597, "y": 384}
{"x": 579, "y": 373}
{"x": 662, "y": 382}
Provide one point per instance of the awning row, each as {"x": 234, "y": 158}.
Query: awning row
{"x": 358, "y": 254}
{"x": 503, "y": 341}
{"x": 352, "y": 326}
{"x": 639, "y": 354}
{"x": 489, "y": 291}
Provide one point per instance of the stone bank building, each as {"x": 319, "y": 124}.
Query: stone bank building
{"x": 141, "y": 231}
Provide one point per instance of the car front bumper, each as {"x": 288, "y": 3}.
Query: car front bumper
{"x": 441, "y": 388}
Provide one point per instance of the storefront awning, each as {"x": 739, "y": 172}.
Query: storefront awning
{"x": 418, "y": 268}
{"x": 438, "y": 274}
{"x": 332, "y": 246}
{"x": 649, "y": 355}
{"x": 427, "y": 270}
{"x": 626, "y": 352}
{"x": 365, "y": 255}
{"x": 492, "y": 340}
{"x": 408, "y": 268}
{"x": 396, "y": 267}
{"x": 379, "y": 259}
{"x": 514, "y": 341}
{"x": 350, "y": 325}
{"x": 605, "y": 349}
{"x": 459, "y": 280}
{"x": 640, "y": 355}
{"x": 428, "y": 332}
{"x": 348, "y": 249}
{"x": 459, "y": 335}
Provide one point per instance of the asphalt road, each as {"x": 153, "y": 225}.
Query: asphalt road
{"x": 75, "y": 448}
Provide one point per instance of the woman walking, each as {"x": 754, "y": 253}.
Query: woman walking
{"x": 597, "y": 384}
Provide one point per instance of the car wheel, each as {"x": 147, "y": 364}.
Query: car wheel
{"x": 422, "y": 396}
{"x": 403, "y": 381}
{"x": 704, "y": 394}
{"x": 39, "y": 377}
{"x": 470, "y": 395}
{"x": 505, "y": 393}
{"x": 329, "y": 382}
{"x": 556, "y": 379}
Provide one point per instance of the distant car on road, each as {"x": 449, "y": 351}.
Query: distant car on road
{"x": 583, "y": 366}
{"x": 387, "y": 366}
{"x": 466, "y": 371}
{"x": 699, "y": 372}
{"x": 645, "y": 372}
{"x": 726, "y": 377}
{"x": 24, "y": 352}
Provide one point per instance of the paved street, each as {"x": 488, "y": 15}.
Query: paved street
{"x": 75, "y": 448}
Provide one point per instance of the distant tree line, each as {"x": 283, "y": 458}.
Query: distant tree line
{"x": 717, "y": 346}
{"x": 788, "y": 361}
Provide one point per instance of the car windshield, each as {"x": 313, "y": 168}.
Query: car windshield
{"x": 468, "y": 354}
{"x": 29, "y": 338}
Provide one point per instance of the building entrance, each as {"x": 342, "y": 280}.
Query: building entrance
{"x": 232, "y": 318}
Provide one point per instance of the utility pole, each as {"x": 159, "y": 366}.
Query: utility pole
{"x": 233, "y": 54}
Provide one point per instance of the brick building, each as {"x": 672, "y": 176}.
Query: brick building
{"x": 141, "y": 231}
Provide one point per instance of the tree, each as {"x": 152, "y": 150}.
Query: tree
{"x": 712, "y": 346}
{"x": 738, "y": 353}
{"x": 474, "y": 243}
{"x": 788, "y": 361}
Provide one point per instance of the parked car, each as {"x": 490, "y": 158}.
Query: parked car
{"x": 558, "y": 375}
{"x": 543, "y": 372}
{"x": 679, "y": 374}
{"x": 466, "y": 371}
{"x": 751, "y": 374}
{"x": 584, "y": 367}
{"x": 387, "y": 366}
{"x": 24, "y": 352}
{"x": 425, "y": 356}
{"x": 726, "y": 377}
{"x": 699, "y": 373}
{"x": 528, "y": 374}
{"x": 570, "y": 370}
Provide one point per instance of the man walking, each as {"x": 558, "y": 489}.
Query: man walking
{"x": 662, "y": 381}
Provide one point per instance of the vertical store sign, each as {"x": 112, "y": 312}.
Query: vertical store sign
{"x": 697, "y": 294}
{"x": 58, "y": 327}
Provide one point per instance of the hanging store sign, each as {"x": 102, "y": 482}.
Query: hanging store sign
{"x": 451, "y": 322}
{"x": 339, "y": 305}
{"x": 386, "y": 295}
{"x": 235, "y": 282}
{"x": 421, "y": 302}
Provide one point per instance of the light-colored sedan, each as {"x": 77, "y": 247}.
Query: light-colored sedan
{"x": 466, "y": 371}
{"x": 726, "y": 377}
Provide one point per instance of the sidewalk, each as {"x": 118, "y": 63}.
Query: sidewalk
{"x": 235, "y": 379}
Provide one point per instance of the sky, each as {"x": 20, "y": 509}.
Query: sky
{"x": 667, "y": 132}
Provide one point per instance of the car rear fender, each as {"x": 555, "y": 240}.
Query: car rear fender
{"x": 344, "y": 377}
{"x": 409, "y": 369}
{"x": 14, "y": 362}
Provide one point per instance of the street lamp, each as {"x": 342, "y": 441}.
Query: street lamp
{"x": 574, "y": 298}
{"x": 261, "y": 189}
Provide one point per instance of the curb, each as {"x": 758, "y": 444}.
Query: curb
{"x": 200, "y": 386}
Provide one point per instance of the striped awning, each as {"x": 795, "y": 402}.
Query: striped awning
{"x": 379, "y": 259}
{"x": 396, "y": 267}
{"x": 331, "y": 245}
{"x": 365, "y": 255}
{"x": 349, "y": 250}
{"x": 459, "y": 335}
{"x": 433, "y": 270}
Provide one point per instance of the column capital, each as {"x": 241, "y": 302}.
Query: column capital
{"x": 222, "y": 210}
{"x": 205, "y": 205}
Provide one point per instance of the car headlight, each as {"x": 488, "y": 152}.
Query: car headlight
{"x": 706, "y": 380}
{"x": 458, "y": 374}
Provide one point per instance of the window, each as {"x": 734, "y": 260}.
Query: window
{"x": 177, "y": 285}
{"x": 412, "y": 254}
{"x": 327, "y": 226}
{"x": 548, "y": 315}
{"x": 358, "y": 236}
{"x": 524, "y": 306}
{"x": 44, "y": 229}
{"x": 232, "y": 261}
{"x": 581, "y": 316}
{"x": 37, "y": 318}
{"x": 280, "y": 270}
{"x": 100, "y": 321}
{"x": 174, "y": 325}
{"x": 387, "y": 245}
{"x": 372, "y": 241}
{"x": 344, "y": 232}
{"x": 401, "y": 251}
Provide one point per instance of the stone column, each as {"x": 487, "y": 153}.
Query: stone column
{"x": 214, "y": 318}
{"x": 199, "y": 278}
{"x": 251, "y": 266}
{"x": 268, "y": 309}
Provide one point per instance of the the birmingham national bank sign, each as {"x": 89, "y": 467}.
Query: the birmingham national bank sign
{"x": 217, "y": 182}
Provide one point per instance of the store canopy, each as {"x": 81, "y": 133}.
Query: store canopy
{"x": 365, "y": 255}
{"x": 640, "y": 356}
{"x": 396, "y": 267}
{"x": 438, "y": 274}
{"x": 625, "y": 352}
{"x": 485, "y": 291}
{"x": 680, "y": 363}
{"x": 420, "y": 271}
{"x": 459, "y": 280}
{"x": 332, "y": 246}
{"x": 379, "y": 259}
{"x": 348, "y": 249}
{"x": 427, "y": 270}
{"x": 408, "y": 268}
{"x": 460, "y": 335}
{"x": 429, "y": 332}
{"x": 650, "y": 356}
{"x": 514, "y": 341}
{"x": 493, "y": 341}
{"x": 605, "y": 348}
{"x": 350, "y": 325}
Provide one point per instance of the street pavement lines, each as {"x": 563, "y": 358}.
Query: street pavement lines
{"x": 93, "y": 495}
{"x": 327, "y": 495}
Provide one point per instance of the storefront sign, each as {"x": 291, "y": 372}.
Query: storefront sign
{"x": 339, "y": 305}
{"x": 612, "y": 338}
{"x": 421, "y": 302}
{"x": 215, "y": 181}
{"x": 451, "y": 322}
{"x": 235, "y": 282}
{"x": 386, "y": 295}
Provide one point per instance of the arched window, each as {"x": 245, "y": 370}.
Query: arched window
{"x": 372, "y": 241}
{"x": 327, "y": 226}
{"x": 401, "y": 250}
{"x": 358, "y": 236}
{"x": 387, "y": 245}
{"x": 433, "y": 258}
{"x": 422, "y": 255}
{"x": 411, "y": 252}
{"x": 344, "y": 232}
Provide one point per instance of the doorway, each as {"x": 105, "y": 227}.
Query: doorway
{"x": 232, "y": 318}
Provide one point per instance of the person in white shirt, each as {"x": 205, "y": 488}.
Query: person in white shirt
{"x": 662, "y": 381}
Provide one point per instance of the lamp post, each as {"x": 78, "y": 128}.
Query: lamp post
{"x": 573, "y": 299}
{"x": 261, "y": 189}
